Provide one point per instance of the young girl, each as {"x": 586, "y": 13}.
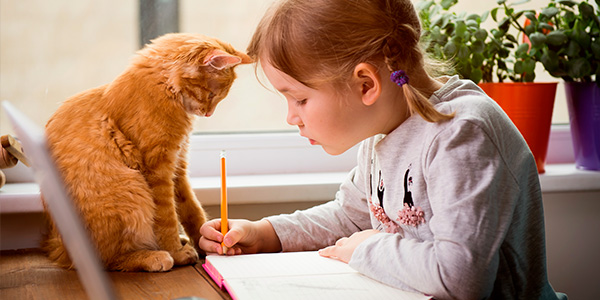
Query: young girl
{"x": 445, "y": 199}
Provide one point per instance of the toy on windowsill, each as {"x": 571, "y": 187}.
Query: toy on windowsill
{"x": 10, "y": 154}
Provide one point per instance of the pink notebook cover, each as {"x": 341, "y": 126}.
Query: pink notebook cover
{"x": 218, "y": 279}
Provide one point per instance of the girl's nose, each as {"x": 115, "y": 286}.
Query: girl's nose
{"x": 292, "y": 117}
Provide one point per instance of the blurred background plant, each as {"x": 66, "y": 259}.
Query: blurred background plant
{"x": 562, "y": 36}
{"x": 565, "y": 37}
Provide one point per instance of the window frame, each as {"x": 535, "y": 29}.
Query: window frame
{"x": 289, "y": 153}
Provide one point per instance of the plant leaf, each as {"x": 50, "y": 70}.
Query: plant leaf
{"x": 529, "y": 77}
{"x": 579, "y": 68}
{"x": 450, "y": 49}
{"x": 586, "y": 10}
{"x": 504, "y": 24}
{"x": 494, "y": 11}
{"x": 529, "y": 29}
{"x": 518, "y": 67}
{"x": 463, "y": 52}
{"x": 545, "y": 27}
{"x": 511, "y": 38}
{"x": 569, "y": 3}
{"x": 481, "y": 34}
{"x": 529, "y": 66}
{"x": 448, "y": 3}
{"x": 573, "y": 49}
{"x": 472, "y": 24}
{"x": 537, "y": 39}
{"x": 531, "y": 16}
{"x": 522, "y": 50}
{"x": 477, "y": 46}
{"x": 549, "y": 60}
{"x": 556, "y": 38}
{"x": 461, "y": 29}
{"x": 549, "y": 12}
{"x": 596, "y": 49}
{"x": 476, "y": 75}
{"x": 474, "y": 17}
{"x": 520, "y": 2}
{"x": 477, "y": 60}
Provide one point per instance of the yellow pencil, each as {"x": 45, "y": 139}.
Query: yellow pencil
{"x": 224, "y": 222}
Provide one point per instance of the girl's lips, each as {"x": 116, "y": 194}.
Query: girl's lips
{"x": 311, "y": 141}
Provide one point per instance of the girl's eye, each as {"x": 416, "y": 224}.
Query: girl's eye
{"x": 301, "y": 102}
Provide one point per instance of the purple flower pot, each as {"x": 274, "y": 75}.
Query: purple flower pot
{"x": 583, "y": 100}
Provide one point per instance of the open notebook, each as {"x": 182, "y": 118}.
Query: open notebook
{"x": 296, "y": 275}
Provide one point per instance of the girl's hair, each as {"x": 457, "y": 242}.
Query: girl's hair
{"x": 322, "y": 41}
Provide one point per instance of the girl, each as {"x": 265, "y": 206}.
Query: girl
{"x": 445, "y": 199}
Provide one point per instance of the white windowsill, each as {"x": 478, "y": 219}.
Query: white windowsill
{"x": 278, "y": 188}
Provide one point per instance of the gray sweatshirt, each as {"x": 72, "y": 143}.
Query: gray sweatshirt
{"x": 458, "y": 203}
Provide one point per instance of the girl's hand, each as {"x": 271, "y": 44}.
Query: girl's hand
{"x": 344, "y": 247}
{"x": 243, "y": 237}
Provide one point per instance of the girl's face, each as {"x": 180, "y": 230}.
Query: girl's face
{"x": 328, "y": 118}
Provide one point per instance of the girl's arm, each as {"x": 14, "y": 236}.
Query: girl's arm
{"x": 323, "y": 225}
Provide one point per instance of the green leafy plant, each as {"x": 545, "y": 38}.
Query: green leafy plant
{"x": 512, "y": 49}
{"x": 477, "y": 53}
{"x": 459, "y": 38}
{"x": 564, "y": 36}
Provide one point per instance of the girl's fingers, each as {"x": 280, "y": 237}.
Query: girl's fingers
{"x": 233, "y": 236}
{"x": 209, "y": 246}
{"x": 211, "y": 238}
{"x": 212, "y": 230}
{"x": 328, "y": 251}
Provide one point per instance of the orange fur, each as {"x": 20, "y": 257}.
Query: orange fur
{"x": 122, "y": 147}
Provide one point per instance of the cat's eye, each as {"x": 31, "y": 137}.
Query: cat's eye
{"x": 211, "y": 95}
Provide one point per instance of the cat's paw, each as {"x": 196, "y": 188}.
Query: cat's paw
{"x": 184, "y": 239}
{"x": 158, "y": 261}
{"x": 186, "y": 255}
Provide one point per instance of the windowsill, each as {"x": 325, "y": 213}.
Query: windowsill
{"x": 278, "y": 188}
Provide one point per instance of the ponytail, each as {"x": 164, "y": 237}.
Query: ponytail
{"x": 399, "y": 54}
{"x": 421, "y": 105}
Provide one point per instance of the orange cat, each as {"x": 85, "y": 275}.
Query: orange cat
{"x": 122, "y": 147}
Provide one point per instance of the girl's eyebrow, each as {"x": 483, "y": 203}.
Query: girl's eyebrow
{"x": 287, "y": 91}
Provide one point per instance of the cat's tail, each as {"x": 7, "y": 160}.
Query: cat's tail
{"x": 52, "y": 243}
{"x": 57, "y": 253}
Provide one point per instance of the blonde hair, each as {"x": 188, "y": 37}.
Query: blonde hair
{"x": 322, "y": 41}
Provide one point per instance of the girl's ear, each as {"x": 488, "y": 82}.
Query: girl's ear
{"x": 220, "y": 59}
{"x": 368, "y": 82}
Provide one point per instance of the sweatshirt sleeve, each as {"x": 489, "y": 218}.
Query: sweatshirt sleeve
{"x": 323, "y": 225}
{"x": 472, "y": 194}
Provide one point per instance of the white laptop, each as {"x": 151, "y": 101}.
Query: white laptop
{"x": 89, "y": 269}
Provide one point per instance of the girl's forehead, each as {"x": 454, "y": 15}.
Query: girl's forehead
{"x": 281, "y": 81}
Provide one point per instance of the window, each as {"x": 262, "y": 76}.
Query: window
{"x": 51, "y": 50}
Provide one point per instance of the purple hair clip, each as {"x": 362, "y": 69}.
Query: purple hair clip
{"x": 399, "y": 77}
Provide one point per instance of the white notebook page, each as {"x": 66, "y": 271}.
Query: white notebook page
{"x": 299, "y": 275}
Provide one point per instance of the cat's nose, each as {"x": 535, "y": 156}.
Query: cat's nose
{"x": 208, "y": 114}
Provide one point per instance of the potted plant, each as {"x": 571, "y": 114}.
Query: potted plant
{"x": 565, "y": 38}
{"x": 496, "y": 60}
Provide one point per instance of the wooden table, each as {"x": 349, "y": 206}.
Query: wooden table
{"x": 28, "y": 274}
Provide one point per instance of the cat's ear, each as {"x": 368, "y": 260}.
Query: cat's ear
{"x": 220, "y": 59}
